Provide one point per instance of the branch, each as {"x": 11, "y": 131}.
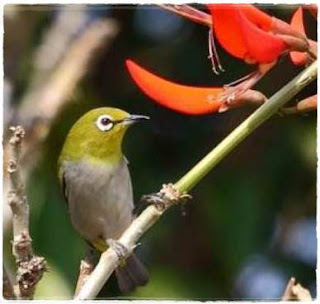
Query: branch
{"x": 270, "y": 107}
{"x": 42, "y": 103}
{"x": 295, "y": 292}
{"x": 30, "y": 267}
{"x": 37, "y": 110}
{"x": 172, "y": 194}
{"x": 86, "y": 267}
{"x": 109, "y": 260}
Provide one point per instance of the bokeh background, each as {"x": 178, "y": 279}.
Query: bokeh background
{"x": 251, "y": 224}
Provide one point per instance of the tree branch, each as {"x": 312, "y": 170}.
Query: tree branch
{"x": 37, "y": 110}
{"x": 270, "y": 107}
{"x": 42, "y": 103}
{"x": 171, "y": 194}
{"x": 109, "y": 260}
{"x": 30, "y": 267}
{"x": 86, "y": 267}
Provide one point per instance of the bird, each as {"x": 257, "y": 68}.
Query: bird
{"x": 96, "y": 183}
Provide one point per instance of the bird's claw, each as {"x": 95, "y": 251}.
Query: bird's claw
{"x": 121, "y": 251}
{"x": 154, "y": 199}
{"x": 167, "y": 196}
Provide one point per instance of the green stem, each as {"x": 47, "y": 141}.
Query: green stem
{"x": 202, "y": 168}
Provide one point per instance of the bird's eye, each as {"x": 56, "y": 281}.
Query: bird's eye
{"x": 104, "y": 123}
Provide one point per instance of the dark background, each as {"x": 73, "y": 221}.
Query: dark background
{"x": 251, "y": 224}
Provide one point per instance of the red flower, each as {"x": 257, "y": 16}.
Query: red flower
{"x": 307, "y": 104}
{"x": 253, "y": 36}
{"x": 301, "y": 58}
{"x": 247, "y": 33}
{"x": 186, "y": 99}
{"x": 242, "y": 31}
{"x": 237, "y": 26}
{"x": 181, "y": 98}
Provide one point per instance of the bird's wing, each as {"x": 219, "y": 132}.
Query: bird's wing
{"x": 63, "y": 184}
{"x": 126, "y": 160}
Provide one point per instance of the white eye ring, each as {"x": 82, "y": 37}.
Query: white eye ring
{"x": 104, "y": 123}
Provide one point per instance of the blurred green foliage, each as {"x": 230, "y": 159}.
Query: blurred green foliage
{"x": 235, "y": 210}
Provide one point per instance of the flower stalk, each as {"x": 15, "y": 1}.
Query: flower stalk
{"x": 270, "y": 107}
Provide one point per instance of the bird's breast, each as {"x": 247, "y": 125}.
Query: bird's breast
{"x": 99, "y": 198}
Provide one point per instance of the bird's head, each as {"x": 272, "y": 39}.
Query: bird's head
{"x": 98, "y": 135}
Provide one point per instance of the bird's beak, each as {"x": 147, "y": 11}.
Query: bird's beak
{"x": 135, "y": 118}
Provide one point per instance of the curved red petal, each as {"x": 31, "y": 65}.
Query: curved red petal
{"x": 240, "y": 31}
{"x": 262, "y": 46}
{"x": 297, "y": 21}
{"x": 257, "y": 16}
{"x": 225, "y": 22}
{"x": 180, "y": 98}
{"x": 308, "y": 104}
{"x": 298, "y": 58}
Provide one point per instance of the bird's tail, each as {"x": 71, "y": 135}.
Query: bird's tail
{"x": 131, "y": 275}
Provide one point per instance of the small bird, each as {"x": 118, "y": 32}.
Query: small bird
{"x": 96, "y": 183}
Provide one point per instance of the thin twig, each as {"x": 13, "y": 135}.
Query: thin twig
{"x": 270, "y": 107}
{"x": 172, "y": 194}
{"x": 41, "y": 104}
{"x": 30, "y": 267}
{"x": 37, "y": 111}
{"x": 86, "y": 267}
{"x": 295, "y": 292}
{"x": 109, "y": 260}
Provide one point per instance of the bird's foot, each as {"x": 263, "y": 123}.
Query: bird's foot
{"x": 167, "y": 196}
{"x": 121, "y": 250}
{"x": 153, "y": 199}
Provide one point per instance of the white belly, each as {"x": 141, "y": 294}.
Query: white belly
{"x": 99, "y": 199}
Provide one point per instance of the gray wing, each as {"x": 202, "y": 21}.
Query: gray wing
{"x": 63, "y": 185}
